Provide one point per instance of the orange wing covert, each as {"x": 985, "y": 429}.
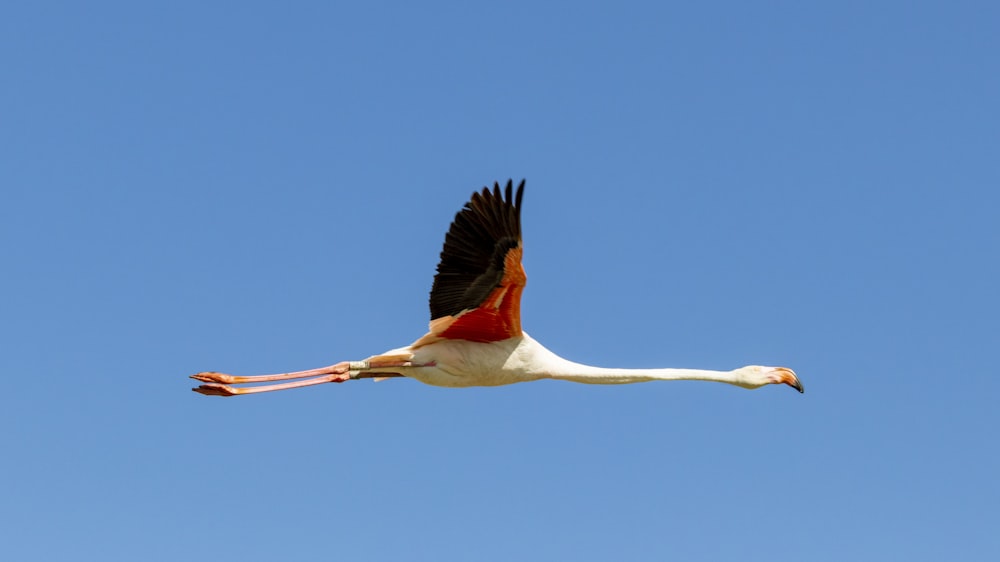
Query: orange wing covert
{"x": 477, "y": 290}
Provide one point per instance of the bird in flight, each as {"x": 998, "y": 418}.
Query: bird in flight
{"x": 475, "y": 336}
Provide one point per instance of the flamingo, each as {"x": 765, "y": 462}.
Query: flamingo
{"x": 475, "y": 336}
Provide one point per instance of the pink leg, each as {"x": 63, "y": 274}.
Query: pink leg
{"x": 211, "y": 376}
{"x": 218, "y": 384}
{"x": 216, "y": 389}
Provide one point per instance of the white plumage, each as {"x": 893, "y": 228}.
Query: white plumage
{"x": 475, "y": 336}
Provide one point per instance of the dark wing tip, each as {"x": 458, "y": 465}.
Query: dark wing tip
{"x": 484, "y": 230}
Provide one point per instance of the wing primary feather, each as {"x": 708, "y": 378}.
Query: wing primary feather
{"x": 473, "y": 259}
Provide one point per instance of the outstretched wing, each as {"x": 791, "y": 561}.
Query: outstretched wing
{"x": 477, "y": 289}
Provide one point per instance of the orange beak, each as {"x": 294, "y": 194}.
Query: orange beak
{"x": 788, "y": 376}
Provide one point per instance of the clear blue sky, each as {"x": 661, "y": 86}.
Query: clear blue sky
{"x": 253, "y": 188}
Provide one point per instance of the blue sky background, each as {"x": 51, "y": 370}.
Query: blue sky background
{"x": 255, "y": 188}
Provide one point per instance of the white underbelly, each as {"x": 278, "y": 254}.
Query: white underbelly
{"x": 460, "y": 363}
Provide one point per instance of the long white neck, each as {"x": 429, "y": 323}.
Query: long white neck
{"x": 576, "y": 372}
{"x": 551, "y": 366}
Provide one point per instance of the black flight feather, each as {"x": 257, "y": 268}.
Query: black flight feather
{"x": 472, "y": 261}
